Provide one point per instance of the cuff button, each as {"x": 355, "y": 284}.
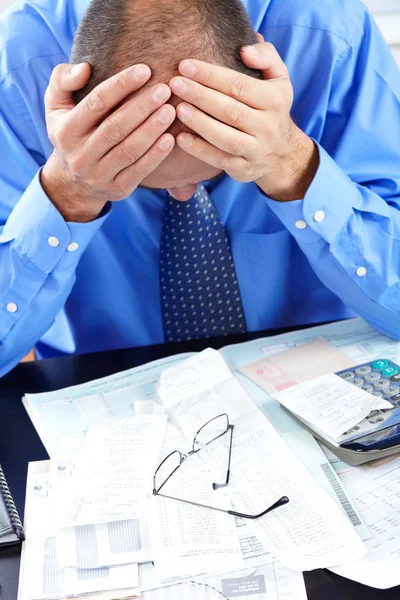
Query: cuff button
{"x": 12, "y": 307}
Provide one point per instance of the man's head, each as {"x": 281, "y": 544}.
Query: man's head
{"x": 115, "y": 34}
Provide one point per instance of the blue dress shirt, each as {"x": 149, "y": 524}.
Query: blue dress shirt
{"x": 69, "y": 287}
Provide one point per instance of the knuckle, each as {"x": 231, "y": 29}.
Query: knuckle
{"x": 234, "y": 113}
{"x": 127, "y": 155}
{"x": 142, "y": 110}
{"x": 120, "y": 191}
{"x": 95, "y": 101}
{"x": 237, "y": 86}
{"x": 235, "y": 146}
{"x": 61, "y": 133}
{"x": 111, "y": 130}
{"x": 226, "y": 163}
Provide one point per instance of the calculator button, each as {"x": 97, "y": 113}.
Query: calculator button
{"x": 396, "y": 378}
{"x": 358, "y": 381}
{"x": 389, "y": 371}
{"x": 380, "y": 364}
{"x": 372, "y": 377}
{"x": 392, "y": 389}
{"x": 396, "y": 397}
{"x": 368, "y": 388}
{"x": 376, "y": 420}
{"x": 348, "y": 375}
{"x": 377, "y": 394}
{"x": 373, "y": 413}
{"x": 381, "y": 384}
{"x": 362, "y": 371}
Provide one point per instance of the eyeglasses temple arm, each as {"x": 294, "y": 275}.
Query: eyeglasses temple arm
{"x": 217, "y": 486}
{"x": 281, "y": 502}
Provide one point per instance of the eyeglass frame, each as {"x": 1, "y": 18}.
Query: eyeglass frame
{"x": 183, "y": 457}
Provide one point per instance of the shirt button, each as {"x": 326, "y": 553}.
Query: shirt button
{"x": 12, "y": 307}
{"x": 301, "y": 224}
{"x": 72, "y": 247}
{"x": 319, "y": 216}
{"x": 361, "y": 271}
{"x": 53, "y": 241}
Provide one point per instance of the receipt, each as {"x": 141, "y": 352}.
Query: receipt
{"x": 330, "y": 403}
{"x": 114, "y": 471}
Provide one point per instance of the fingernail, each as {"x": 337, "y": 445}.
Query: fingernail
{"x": 178, "y": 86}
{"x": 140, "y": 72}
{"x": 165, "y": 143}
{"x": 160, "y": 93}
{"x": 251, "y": 50}
{"x": 185, "y": 140}
{"x": 164, "y": 115}
{"x": 185, "y": 111}
{"x": 188, "y": 68}
{"x": 76, "y": 69}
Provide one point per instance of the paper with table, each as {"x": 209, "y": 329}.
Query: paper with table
{"x": 310, "y": 531}
{"x": 41, "y": 577}
{"x": 376, "y": 492}
{"x": 64, "y": 417}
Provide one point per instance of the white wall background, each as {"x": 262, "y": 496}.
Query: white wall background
{"x": 387, "y": 14}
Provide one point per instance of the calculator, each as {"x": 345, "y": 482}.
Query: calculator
{"x": 378, "y": 435}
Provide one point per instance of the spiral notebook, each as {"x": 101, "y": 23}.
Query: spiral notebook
{"x": 11, "y": 530}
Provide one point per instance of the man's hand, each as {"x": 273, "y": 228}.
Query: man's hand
{"x": 107, "y": 144}
{"x": 244, "y": 124}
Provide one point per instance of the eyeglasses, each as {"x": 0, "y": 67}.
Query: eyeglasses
{"x": 211, "y": 431}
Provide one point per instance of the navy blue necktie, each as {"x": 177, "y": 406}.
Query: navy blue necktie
{"x": 200, "y": 294}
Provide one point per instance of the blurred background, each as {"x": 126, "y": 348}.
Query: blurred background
{"x": 386, "y": 12}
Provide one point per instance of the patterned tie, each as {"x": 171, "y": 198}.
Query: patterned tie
{"x": 199, "y": 288}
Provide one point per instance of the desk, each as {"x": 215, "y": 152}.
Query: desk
{"x": 19, "y": 444}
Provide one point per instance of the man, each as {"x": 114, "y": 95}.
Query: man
{"x": 192, "y": 187}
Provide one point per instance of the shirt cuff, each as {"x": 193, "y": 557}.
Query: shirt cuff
{"x": 41, "y": 233}
{"x": 327, "y": 205}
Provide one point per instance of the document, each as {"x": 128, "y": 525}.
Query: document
{"x": 101, "y": 545}
{"x": 296, "y": 365}
{"x": 180, "y": 383}
{"x": 41, "y": 577}
{"x": 114, "y": 472}
{"x": 309, "y": 532}
{"x": 186, "y": 539}
{"x": 268, "y": 582}
{"x": 376, "y": 493}
{"x": 62, "y": 418}
{"x": 330, "y": 403}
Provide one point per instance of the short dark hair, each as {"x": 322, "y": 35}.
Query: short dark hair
{"x": 114, "y": 34}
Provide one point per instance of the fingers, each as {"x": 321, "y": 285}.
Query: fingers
{"x": 243, "y": 88}
{"x": 131, "y": 150}
{"x": 218, "y": 105}
{"x": 122, "y": 122}
{"x": 64, "y": 80}
{"x": 209, "y": 154}
{"x": 128, "y": 179}
{"x": 107, "y": 96}
{"x": 265, "y": 58}
{"x": 218, "y": 134}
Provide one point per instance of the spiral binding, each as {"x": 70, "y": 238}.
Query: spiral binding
{"x": 12, "y": 511}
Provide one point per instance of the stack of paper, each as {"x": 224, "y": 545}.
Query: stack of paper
{"x": 107, "y": 520}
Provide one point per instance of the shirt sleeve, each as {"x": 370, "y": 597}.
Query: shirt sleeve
{"x": 39, "y": 251}
{"x": 348, "y": 224}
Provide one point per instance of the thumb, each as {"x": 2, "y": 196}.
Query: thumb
{"x": 265, "y": 58}
{"x": 65, "y": 80}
